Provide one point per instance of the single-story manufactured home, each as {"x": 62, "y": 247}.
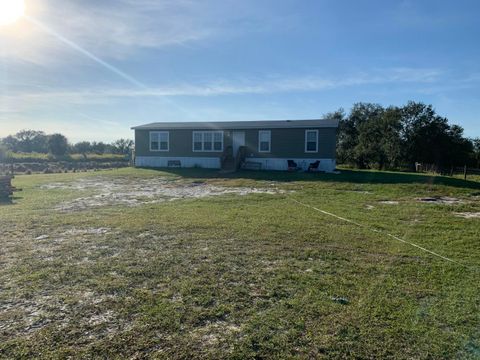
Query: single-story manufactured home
{"x": 265, "y": 145}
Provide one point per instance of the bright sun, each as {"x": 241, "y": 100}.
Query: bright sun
{"x": 11, "y": 11}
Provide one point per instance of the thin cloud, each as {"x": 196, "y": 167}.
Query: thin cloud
{"x": 238, "y": 87}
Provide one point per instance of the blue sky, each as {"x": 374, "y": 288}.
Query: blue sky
{"x": 92, "y": 69}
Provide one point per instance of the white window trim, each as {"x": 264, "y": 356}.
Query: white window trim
{"x": 316, "y": 140}
{"x": 269, "y": 141}
{"x": 159, "y": 132}
{"x": 203, "y": 143}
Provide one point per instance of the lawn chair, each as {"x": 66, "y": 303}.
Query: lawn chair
{"x": 314, "y": 166}
{"x": 292, "y": 165}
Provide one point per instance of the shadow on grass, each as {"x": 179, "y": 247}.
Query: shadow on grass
{"x": 347, "y": 176}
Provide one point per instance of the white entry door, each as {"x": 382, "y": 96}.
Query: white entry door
{"x": 238, "y": 140}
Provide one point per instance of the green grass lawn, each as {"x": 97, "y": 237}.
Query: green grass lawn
{"x": 241, "y": 276}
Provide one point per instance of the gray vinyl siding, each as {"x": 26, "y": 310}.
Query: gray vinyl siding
{"x": 181, "y": 144}
{"x": 285, "y": 143}
{"x": 290, "y": 143}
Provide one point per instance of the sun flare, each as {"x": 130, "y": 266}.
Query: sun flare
{"x": 11, "y": 11}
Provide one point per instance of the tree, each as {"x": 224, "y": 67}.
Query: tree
{"x": 31, "y": 141}
{"x": 459, "y": 149}
{"x": 476, "y": 152}
{"x": 392, "y": 144}
{"x": 57, "y": 144}
{"x": 425, "y": 134}
{"x": 349, "y": 133}
{"x": 379, "y": 143}
{"x": 83, "y": 148}
{"x": 371, "y": 136}
{"x": 368, "y": 152}
{"x": 10, "y": 143}
{"x": 430, "y": 139}
{"x": 122, "y": 146}
{"x": 98, "y": 147}
{"x": 40, "y": 143}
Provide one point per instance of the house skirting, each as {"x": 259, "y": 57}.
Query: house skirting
{"x": 189, "y": 162}
{"x": 327, "y": 165}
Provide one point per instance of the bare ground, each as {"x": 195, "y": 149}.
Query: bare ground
{"x": 132, "y": 192}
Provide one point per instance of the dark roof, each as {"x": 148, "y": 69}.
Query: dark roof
{"x": 264, "y": 124}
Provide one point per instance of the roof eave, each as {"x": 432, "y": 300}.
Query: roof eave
{"x": 202, "y": 126}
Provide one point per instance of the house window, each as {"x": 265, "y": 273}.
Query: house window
{"x": 197, "y": 141}
{"x": 311, "y": 141}
{"x": 208, "y": 141}
{"x": 218, "y": 141}
{"x": 264, "y": 140}
{"x": 159, "y": 141}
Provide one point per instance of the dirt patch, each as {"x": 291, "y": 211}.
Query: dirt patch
{"x": 25, "y": 317}
{"x": 87, "y": 231}
{"x": 212, "y": 333}
{"x": 440, "y": 200}
{"x": 468, "y": 215}
{"x": 156, "y": 237}
{"x": 133, "y": 192}
{"x": 389, "y": 202}
{"x": 97, "y": 319}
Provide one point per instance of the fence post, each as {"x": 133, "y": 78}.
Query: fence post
{"x": 465, "y": 172}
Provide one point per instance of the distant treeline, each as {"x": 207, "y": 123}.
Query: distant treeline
{"x": 32, "y": 141}
{"x": 372, "y": 136}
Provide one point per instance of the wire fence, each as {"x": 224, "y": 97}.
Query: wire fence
{"x": 452, "y": 171}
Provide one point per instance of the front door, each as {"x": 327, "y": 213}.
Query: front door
{"x": 238, "y": 140}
